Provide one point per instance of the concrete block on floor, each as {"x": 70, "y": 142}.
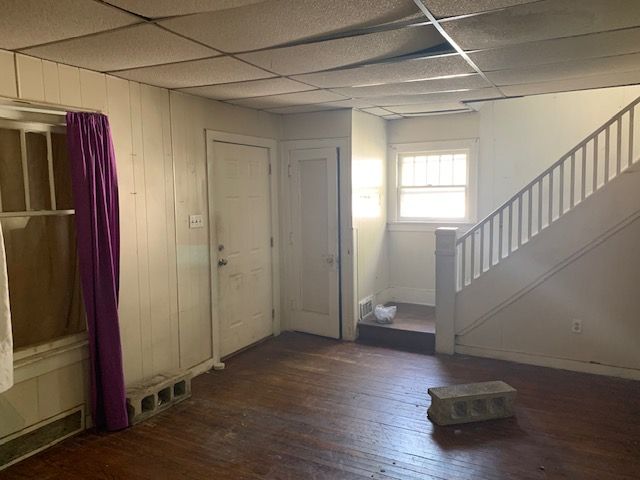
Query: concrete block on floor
{"x": 150, "y": 397}
{"x": 472, "y": 402}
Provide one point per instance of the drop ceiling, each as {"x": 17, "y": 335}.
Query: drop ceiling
{"x": 390, "y": 58}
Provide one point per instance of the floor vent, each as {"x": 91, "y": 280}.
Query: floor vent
{"x": 366, "y": 306}
{"x": 149, "y": 398}
{"x": 43, "y": 435}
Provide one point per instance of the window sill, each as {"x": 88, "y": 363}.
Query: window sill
{"x": 34, "y": 361}
{"x": 425, "y": 226}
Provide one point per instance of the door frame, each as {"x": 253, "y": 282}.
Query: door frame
{"x": 345, "y": 235}
{"x": 272, "y": 149}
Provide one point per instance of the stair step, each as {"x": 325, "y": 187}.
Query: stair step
{"x": 398, "y": 338}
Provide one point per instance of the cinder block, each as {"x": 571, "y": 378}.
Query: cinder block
{"x": 148, "y": 398}
{"x": 472, "y": 402}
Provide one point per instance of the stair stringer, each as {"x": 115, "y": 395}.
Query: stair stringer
{"x": 577, "y": 231}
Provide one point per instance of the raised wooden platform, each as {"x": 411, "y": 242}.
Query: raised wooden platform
{"x": 412, "y": 330}
{"x": 304, "y": 407}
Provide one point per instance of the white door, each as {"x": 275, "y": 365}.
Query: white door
{"x": 314, "y": 302}
{"x": 243, "y": 236}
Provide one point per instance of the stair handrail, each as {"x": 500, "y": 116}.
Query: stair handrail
{"x": 528, "y": 190}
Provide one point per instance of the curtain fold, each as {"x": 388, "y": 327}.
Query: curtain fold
{"x": 95, "y": 192}
{"x": 6, "y": 343}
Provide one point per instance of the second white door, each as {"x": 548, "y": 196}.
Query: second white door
{"x": 243, "y": 235}
{"x": 315, "y": 264}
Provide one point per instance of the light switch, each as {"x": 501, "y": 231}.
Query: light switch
{"x": 196, "y": 221}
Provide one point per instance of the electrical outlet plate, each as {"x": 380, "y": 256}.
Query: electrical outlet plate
{"x": 576, "y": 326}
{"x": 196, "y": 221}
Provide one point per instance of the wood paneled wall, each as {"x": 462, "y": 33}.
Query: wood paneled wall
{"x": 159, "y": 139}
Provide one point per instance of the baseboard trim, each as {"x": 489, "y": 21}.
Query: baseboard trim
{"x": 548, "y": 361}
{"x": 418, "y": 296}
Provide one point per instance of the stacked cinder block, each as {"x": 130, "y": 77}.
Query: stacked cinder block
{"x": 148, "y": 398}
{"x": 471, "y": 402}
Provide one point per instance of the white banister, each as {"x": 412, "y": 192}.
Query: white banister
{"x": 446, "y": 288}
{"x": 563, "y": 182}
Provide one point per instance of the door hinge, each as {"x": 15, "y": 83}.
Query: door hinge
{"x": 289, "y": 170}
{"x": 269, "y": 168}
{"x": 271, "y": 242}
{"x": 273, "y": 314}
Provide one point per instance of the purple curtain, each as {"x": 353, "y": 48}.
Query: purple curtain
{"x": 95, "y": 191}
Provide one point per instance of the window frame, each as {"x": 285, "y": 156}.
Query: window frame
{"x": 396, "y": 151}
{"x": 23, "y": 355}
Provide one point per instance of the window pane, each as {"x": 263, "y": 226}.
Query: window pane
{"x": 61, "y": 172}
{"x": 460, "y": 169}
{"x": 446, "y": 170}
{"x": 433, "y": 170}
{"x": 44, "y": 283}
{"x": 38, "y": 168}
{"x": 420, "y": 170}
{"x": 11, "y": 179}
{"x": 436, "y": 203}
{"x": 407, "y": 171}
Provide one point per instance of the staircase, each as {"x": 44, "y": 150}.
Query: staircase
{"x": 481, "y": 271}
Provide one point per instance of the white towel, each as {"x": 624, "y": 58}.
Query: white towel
{"x": 6, "y": 341}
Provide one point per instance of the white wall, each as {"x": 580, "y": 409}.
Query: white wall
{"x": 369, "y": 180}
{"x": 519, "y": 138}
{"x": 411, "y": 248}
{"x": 586, "y": 267}
{"x": 165, "y": 297}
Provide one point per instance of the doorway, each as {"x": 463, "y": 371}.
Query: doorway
{"x": 241, "y": 242}
{"x": 314, "y": 238}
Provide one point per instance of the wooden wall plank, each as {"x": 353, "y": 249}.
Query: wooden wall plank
{"x": 155, "y": 107}
{"x": 146, "y": 325}
{"x": 8, "y": 85}
{"x": 30, "y": 77}
{"x": 119, "y": 110}
{"x": 93, "y": 90}
{"x": 51, "y": 82}
{"x": 69, "y": 78}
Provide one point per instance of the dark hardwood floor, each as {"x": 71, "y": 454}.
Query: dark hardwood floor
{"x": 303, "y": 407}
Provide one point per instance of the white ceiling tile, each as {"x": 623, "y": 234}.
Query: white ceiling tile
{"x": 579, "y": 83}
{"x": 195, "y": 73}
{"x": 313, "y": 57}
{"x": 131, "y": 47}
{"x": 316, "y": 107}
{"x": 278, "y": 22}
{"x": 170, "y": 8}
{"x": 253, "y": 88}
{"x": 288, "y": 99}
{"x": 559, "y": 50}
{"x": 32, "y": 22}
{"x": 472, "y": 81}
{"x": 448, "y": 8}
{"x": 428, "y": 108}
{"x": 389, "y": 72}
{"x": 569, "y": 69}
{"x": 381, "y": 112}
{"x": 542, "y": 20}
{"x": 469, "y": 95}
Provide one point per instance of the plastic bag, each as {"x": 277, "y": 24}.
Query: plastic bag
{"x": 384, "y": 314}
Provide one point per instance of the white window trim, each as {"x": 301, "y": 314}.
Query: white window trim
{"x": 35, "y": 360}
{"x": 396, "y": 149}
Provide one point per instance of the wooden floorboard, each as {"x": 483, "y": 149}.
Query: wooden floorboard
{"x": 304, "y": 407}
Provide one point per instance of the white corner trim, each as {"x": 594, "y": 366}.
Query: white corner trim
{"x": 552, "y": 362}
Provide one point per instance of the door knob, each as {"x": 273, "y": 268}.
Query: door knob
{"x": 222, "y": 262}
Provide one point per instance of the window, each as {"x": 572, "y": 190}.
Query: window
{"x": 434, "y": 185}
{"x": 36, "y": 213}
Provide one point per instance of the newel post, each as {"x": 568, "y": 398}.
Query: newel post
{"x": 445, "y": 289}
